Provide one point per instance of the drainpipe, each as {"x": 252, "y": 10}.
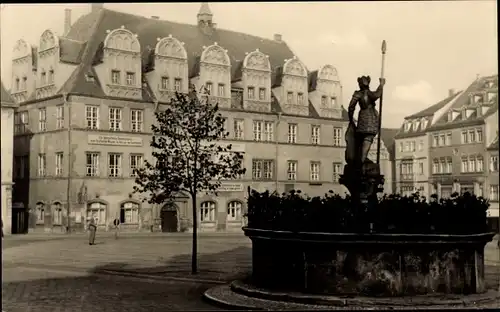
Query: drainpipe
{"x": 276, "y": 141}
{"x": 68, "y": 189}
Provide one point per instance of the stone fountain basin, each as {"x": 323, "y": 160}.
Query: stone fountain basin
{"x": 375, "y": 265}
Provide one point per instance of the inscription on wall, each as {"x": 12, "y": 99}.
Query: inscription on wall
{"x": 231, "y": 187}
{"x": 115, "y": 140}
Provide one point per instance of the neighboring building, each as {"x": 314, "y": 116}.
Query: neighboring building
{"x": 459, "y": 139}
{"x": 492, "y": 184}
{"x": 87, "y": 101}
{"x": 388, "y": 137}
{"x": 412, "y": 148}
{"x": 8, "y": 105}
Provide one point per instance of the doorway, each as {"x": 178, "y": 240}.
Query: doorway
{"x": 19, "y": 221}
{"x": 169, "y": 218}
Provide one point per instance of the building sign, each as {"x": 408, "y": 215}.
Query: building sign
{"x": 116, "y": 140}
{"x": 231, "y": 187}
{"x": 235, "y": 147}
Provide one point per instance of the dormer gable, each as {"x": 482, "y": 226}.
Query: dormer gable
{"x": 23, "y": 81}
{"x": 294, "y": 88}
{"x": 120, "y": 72}
{"x": 416, "y": 124}
{"x": 256, "y": 79}
{"x": 47, "y": 64}
{"x": 215, "y": 74}
{"x": 406, "y": 125}
{"x": 325, "y": 92}
{"x": 424, "y": 122}
{"x": 170, "y": 72}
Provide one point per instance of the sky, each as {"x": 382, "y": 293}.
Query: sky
{"x": 431, "y": 46}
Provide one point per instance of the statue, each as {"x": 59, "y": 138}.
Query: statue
{"x": 359, "y": 138}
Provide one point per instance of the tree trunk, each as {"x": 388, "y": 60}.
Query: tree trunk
{"x": 194, "y": 256}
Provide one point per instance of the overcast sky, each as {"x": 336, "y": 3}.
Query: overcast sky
{"x": 431, "y": 46}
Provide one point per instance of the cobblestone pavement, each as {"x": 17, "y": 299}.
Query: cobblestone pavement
{"x": 150, "y": 273}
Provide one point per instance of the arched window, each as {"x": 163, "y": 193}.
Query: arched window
{"x": 234, "y": 211}
{"x": 129, "y": 213}
{"x": 57, "y": 213}
{"x": 98, "y": 212}
{"x": 40, "y": 213}
{"x": 207, "y": 212}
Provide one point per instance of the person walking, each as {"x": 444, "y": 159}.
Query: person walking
{"x": 92, "y": 230}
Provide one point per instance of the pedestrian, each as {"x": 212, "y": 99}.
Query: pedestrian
{"x": 92, "y": 230}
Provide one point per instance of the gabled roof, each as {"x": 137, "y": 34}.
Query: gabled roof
{"x": 92, "y": 30}
{"x": 388, "y": 135}
{"x": 6, "y": 99}
{"x": 494, "y": 145}
{"x": 430, "y": 111}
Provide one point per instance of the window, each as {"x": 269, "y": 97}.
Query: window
{"x": 268, "y": 131}
{"x": 59, "y": 117}
{"x": 136, "y": 162}
{"x": 465, "y": 166}
{"x": 324, "y": 102}
{"x": 412, "y": 146}
{"x": 130, "y": 79}
{"x": 442, "y": 165}
{"x": 40, "y": 213}
{"x": 400, "y": 146}
{"x": 42, "y": 165}
{"x": 337, "y": 136}
{"x": 300, "y": 98}
{"x": 494, "y": 163}
{"x": 43, "y": 78}
{"x": 262, "y": 169}
{"x": 207, "y": 212}
{"x": 448, "y": 139}
{"x": 420, "y": 168}
{"x": 136, "y": 120}
{"x": 57, "y": 214}
{"x": 472, "y": 164}
{"x": 435, "y": 166}
{"x": 315, "y": 134}
{"x": 479, "y": 135}
{"x": 257, "y": 130}
{"x": 262, "y": 94}
{"x": 115, "y": 119}
{"x": 424, "y": 123}
{"x": 289, "y": 97}
{"x": 24, "y": 121}
{"x": 291, "y": 170}
{"x": 221, "y": 90}
{"x": 337, "y": 169}
{"x": 114, "y": 165}
{"x": 493, "y": 192}
{"x": 435, "y": 140}
{"x": 24, "y": 83}
{"x": 472, "y": 136}
{"x": 480, "y": 188}
{"x": 178, "y": 84}
{"x": 115, "y": 77}
{"x": 17, "y": 85}
{"x": 97, "y": 211}
{"x": 59, "y": 164}
{"x": 407, "y": 146}
{"x": 129, "y": 213}
{"x": 464, "y": 137}
{"x": 92, "y": 116}
{"x": 314, "y": 171}
{"x": 51, "y": 76}
{"x": 421, "y": 145}
{"x": 292, "y": 133}
{"x": 239, "y": 129}
{"x": 251, "y": 93}
{"x": 164, "y": 83}
{"x": 334, "y": 101}
{"x": 92, "y": 164}
{"x": 42, "y": 119}
{"x": 234, "y": 211}
{"x": 442, "y": 140}
{"x": 407, "y": 126}
{"x": 479, "y": 164}
{"x": 449, "y": 165}
{"x": 208, "y": 88}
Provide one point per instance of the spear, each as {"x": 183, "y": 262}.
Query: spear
{"x": 384, "y": 48}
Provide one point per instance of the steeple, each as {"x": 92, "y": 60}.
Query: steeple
{"x": 205, "y": 15}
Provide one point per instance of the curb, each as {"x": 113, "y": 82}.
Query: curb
{"x": 154, "y": 277}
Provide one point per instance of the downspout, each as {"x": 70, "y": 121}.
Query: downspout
{"x": 276, "y": 141}
{"x": 68, "y": 188}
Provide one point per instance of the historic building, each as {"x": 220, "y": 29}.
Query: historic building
{"x": 412, "y": 148}
{"x": 492, "y": 184}
{"x": 460, "y": 137}
{"x": 7, "y": 105}
{"x": 87, "y": 101}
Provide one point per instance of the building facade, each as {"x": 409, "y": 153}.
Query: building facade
{"x": 492, "y": 185}
{"x": 87, "y": 102}
{"x": 7, "y": 105}
{"x": 412, "y": 148}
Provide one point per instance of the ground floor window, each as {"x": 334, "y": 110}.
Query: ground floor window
{"x": 129, "y": 213}
{"x": 57, "y": 213}
{"x": 207, "y": 212}
{"x": 98, "y": 212}
{"x": 234, "y": 211}
{"x": 446, "y": 191}
{"x": 40, "y": 213}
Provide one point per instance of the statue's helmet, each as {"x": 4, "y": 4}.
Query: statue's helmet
{"x": 364, "y": 81}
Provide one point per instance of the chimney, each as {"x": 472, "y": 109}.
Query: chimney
{"x": 95, "y": 7}
{"x": 67, "y": 21}
{"x": 451, "y": 92}
{"x": 277, "y": 37}
{"x": 155, "y": 17}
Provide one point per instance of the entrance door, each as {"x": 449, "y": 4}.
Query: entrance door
{"x": 169, "y": 218}
{"x": 19, "y": 221}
